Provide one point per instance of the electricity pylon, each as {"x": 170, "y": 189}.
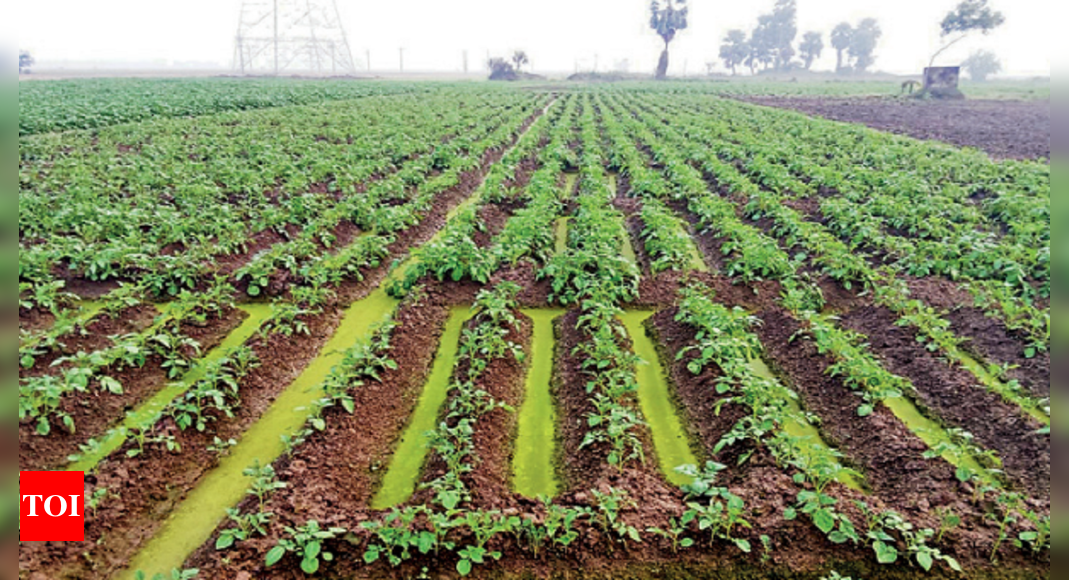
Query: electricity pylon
{"x": 294, "y": 36}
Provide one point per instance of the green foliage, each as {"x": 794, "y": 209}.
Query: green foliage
{"x": 608, "y": 509}
{"x": 888, "y": 530}
{"x": 971, "y": 15}
{"x": 668, "y": 17}
{"x": 264, "y": 483}
{"x": 86, "y": 104}
{"x": 305, "y": 542}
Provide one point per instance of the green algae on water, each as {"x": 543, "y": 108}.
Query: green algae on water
{"x": 534, "y": 474}
{"x": 669, "y": 437}
{"x": 801, "y": 428}
{"x": 195, "y": 519}
{"x": 999, "y": 387}
{"x": 148, "y": 413}
{"x": 560, "y": 233}
{"x": 407, "y": 464}
{"x": 932, "y": 434}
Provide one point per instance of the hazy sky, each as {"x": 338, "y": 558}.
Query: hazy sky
{"x": 554, "y": 32}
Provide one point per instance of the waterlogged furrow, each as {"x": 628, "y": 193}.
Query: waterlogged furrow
{"x": 797, "y": 426}
{"x": 148, "y": 413}
{"x": 561, "y": 236}
{"x": 192, "y": 523}
{"x": 534, "y": 470}
{"x": 669, "y": 437}
{"x": 407, "y": 464}
{"x": 998, "y": 386}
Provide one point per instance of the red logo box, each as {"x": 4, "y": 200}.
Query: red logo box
{"x": 52, "y": 506}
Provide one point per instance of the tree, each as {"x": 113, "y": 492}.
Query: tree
{"x": 667, "y": 18}
{"x": 982, "y": 64}
{"x": 25, "y": 62}
{"x": 734, "y": 50}
{"x": 784, "y": 29}
{"x": 519, "y": 59}
{"x": 841, "y": 38}
{"x": 760, "y": 55}
{"x": 773, "y": 38}
{"x": 501, "y": 69}
{"x": 811, "y": 48}
{"x": 969, "y": 16}
{"x": 863, "y": 44}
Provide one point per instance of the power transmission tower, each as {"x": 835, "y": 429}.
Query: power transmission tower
{"x": 279, "y": 36}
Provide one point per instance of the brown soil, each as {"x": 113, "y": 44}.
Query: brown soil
{"x": 535, "y": 293}
{"x": 880, "y": 446}
{"x": 492, "y": 218}
{"x": 151, "y": 485}
{"x": 35, "y": 320}
{"x": 503, "y": 379}
{"x": 340, "y": 488}
{"x": 335, "y": 473}
{"x": 582, "y": 468}
{"x": 697, "y": 393}
{"x": 1004, "y": 129}
{"x": 96, "y": 411}
{"x": 96, "y": 336}
{"x": 989, "y": 339}
{"x": 953, "y": 394}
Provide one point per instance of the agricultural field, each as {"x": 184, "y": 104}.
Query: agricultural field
{"x": 561, "y": 331}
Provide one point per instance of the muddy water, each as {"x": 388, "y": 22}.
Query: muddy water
{"x": 800, "y": 427}
{"x": 148, "y": 413}
{"x": 533, "y": 468}
{"x": 670, "y": 439}
{"x": 407, "y": 464}
{"x": 194, "y": 520}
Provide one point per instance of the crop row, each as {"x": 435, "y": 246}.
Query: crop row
{"x": 90, "y": 104}
{"x": 837, "y": 260}
{"x": 245, "y": 185}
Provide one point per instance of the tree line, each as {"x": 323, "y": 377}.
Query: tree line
{"x": 770, "y": 46}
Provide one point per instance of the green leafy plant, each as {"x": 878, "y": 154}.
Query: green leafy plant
{"x": 674, "y": 534}
{"x": 948, "y": 521}
{"x": 608, "y": 508}
{"x": 305, "y": 542}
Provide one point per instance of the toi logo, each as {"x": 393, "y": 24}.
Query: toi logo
{"x": 51, "y": 506}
